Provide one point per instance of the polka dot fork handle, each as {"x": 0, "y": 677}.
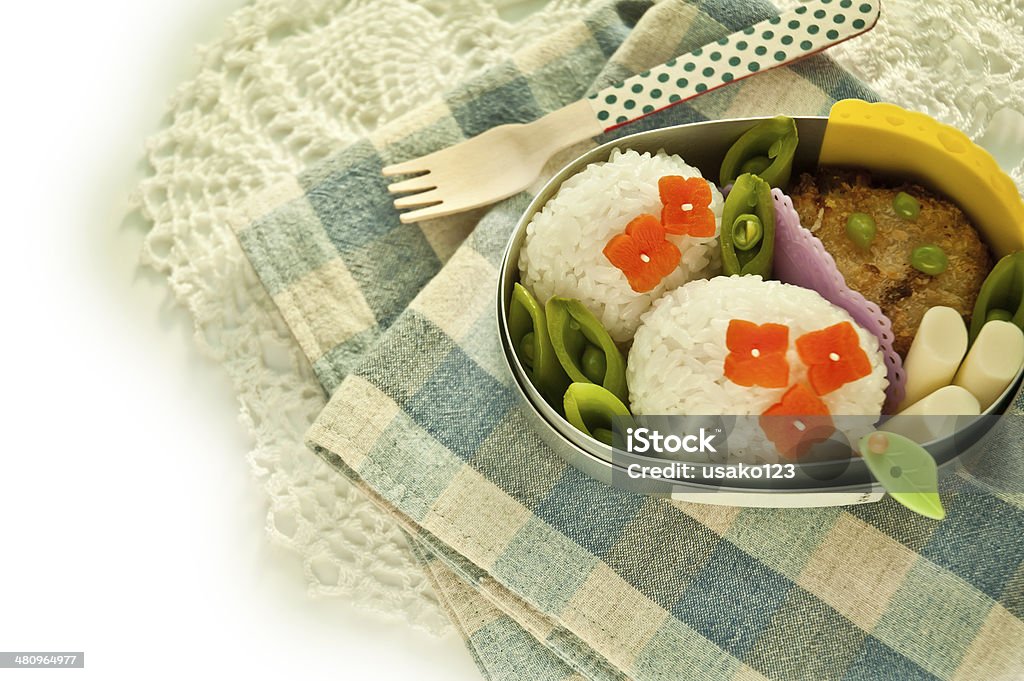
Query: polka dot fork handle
{"x": 504, "y": 160}
{"x": 810, "y": 28}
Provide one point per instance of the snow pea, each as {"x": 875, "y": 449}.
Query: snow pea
{"x": 1001, "y": 295}
{"x": 583, "y": 347}
{"x": 767, "y": 149}
{"x": 527, "y": 325}
{"x": 750, "y": 196}
{"x": 593, "y": 410}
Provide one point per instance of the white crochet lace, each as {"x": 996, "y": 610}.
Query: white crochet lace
{"x": 292, "y": 81}
{"x": 287, "y": 84}
{"x": 960, "y": 61}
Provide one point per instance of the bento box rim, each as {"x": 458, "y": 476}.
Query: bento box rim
{"x": 586, "y": 445}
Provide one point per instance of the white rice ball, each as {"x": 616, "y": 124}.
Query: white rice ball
{"x": 677, "y": 362}
{"x": 563, "y": 251}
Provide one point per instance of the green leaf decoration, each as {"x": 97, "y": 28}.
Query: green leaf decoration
{"x": 906, "y": 470}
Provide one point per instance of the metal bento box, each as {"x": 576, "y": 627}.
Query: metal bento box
{"x": 880, "y": 137}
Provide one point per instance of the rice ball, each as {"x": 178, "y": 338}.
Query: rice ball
{"x": 563, "y": 251}
{"x": 676, "y": 365}
{"x": 677, "y": 362}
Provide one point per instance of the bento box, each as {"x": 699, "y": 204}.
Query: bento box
{"x": 686, "y": 267}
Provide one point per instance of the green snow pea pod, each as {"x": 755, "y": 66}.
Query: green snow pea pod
{"x": 592, "y": 409}
{"x": 528, "y": 328}
{"x": 583, "y": 347}
{"x": 1001, "y": 295}
{"x": 749, "y": 211}
{"x": 767, "y": 149}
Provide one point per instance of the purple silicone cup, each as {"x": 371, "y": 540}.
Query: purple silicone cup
{"x": 801, "y": 259}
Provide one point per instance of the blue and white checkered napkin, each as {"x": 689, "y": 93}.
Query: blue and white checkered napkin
{"x": 548, "y": 573}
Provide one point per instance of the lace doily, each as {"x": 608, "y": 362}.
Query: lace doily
{"x": 959, "y": 61}
{"x": 290, "y": 82}
{"x": 287, "y": 84}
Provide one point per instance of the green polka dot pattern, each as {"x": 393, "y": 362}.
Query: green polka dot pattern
{"x": 811, "y": 27}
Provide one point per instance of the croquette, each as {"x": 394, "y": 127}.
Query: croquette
{"x": 883, "y": 272}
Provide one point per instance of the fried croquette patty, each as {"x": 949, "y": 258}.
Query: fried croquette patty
{"x": 883, "y": 272}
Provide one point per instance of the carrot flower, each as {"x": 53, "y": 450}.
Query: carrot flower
{"x": 686, "y": 204}
{"x": 642, "y": 253}
{"x": 799, "y": 420}
{"x": 757, "y": 354}
{"x": 833, "y": 357}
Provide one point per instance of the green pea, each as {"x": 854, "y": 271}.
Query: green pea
{"x": 594, "y": 364}
{"x": 594, "y": 411}
{"x": 906, "y": 206}
{"x": 755, "y": 165}
{"x": 929, "y": 259}
{"x": 861, "y": 229}
{"x": 746, "y": 231}
{"x": 583, "y": 346}
{"x": 527, "y": 350}
{"x": 999, "y": 314}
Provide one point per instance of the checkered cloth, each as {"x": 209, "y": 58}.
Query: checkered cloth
{"x": 546, "y": 572}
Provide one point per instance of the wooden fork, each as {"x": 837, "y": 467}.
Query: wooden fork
{"x": 504, "y": 160}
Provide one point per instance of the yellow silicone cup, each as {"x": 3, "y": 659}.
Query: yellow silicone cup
{"x": 888, "y": 139}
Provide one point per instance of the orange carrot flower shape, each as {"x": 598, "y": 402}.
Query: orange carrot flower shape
{"x": 833, "y": 357}
{"x": 757, "y": 354}
{"x": 798, "y": 421}
{"x": 642, "y": 253}
{"x": 686, "y": 202}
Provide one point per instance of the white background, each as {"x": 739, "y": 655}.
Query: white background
{"x": 130, "y": 527}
